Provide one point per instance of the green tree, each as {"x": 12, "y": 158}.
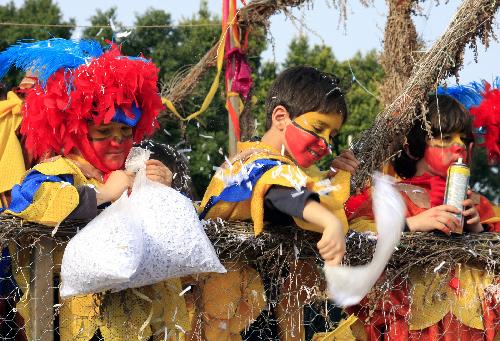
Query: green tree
{"x": 359, "y": 77}
{"x": 173, "y": 48}
{"x": 30, "y": 12}
{"x": 485, "y": 178}
{"x": 102, "y": 18}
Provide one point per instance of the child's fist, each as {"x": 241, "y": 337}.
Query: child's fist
{"x": 332, "y": 245}
{"x": 118, "y": 182}
{"x": 157, "y": 171}
{"x": 345, "y": 161}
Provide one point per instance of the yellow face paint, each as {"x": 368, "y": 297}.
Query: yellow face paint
{"x": 323, "y": 125}
{"x": 111, "y": 130}
{"x": 447, "y": 140}
{"x": 308, "y": 136}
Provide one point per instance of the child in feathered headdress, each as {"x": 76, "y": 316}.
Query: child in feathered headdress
{"x": 81, "y": 118}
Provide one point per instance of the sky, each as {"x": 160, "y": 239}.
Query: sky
{"x": 319, "y": 20}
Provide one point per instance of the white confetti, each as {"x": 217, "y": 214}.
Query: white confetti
{"x": 185, "y": 290}
{"x": 437, "y": 268}
{"x": 166, "y": 132}
{"x": 124, "y": 34}
{"x": 206, "y": 136}
{"x": 54, "y": 231}
{"x": 112, "y": 24}
{"x": 180, "y": 328}
{"x": 296, "y": 194}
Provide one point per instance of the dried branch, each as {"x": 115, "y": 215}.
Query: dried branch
{"x": 376, "y": 145}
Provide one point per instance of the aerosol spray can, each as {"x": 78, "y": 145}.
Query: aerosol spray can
{"x": 457, "y": 183}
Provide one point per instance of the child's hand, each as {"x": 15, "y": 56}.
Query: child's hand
{"x": 435, "y": 218}
{"x": 332, "y": 244}
{"x": 118, "y": 182}
{"x": 157, "y": 171}
{"x": 345, "y": 161}
{"x": 471, "y": 215}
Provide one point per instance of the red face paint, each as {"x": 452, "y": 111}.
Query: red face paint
{"x": 112, "y": 151}
{"x": 112, "y": 143}
{"x": 306, "y": 147}
{"x": 439, "y": 155}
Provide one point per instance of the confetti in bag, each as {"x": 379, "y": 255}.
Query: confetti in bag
{"x": 174, "y": 241}
{"x": 105, "y": 253}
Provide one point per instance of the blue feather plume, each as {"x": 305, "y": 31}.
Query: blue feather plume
{"x": 47, "y": 56}
{"x": 468, "y": 95}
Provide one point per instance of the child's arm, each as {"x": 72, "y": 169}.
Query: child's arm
{"x": 436, "y": 218}
{"x": 332, "y": 244}
{"x": 118, "y": 182}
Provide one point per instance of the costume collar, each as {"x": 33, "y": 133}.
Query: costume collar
{"x": 88, "y": 170}
{"x": 434, "y": 184}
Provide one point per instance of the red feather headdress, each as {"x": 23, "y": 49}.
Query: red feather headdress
{"x": 57, "y": 115}
{"x": 487, "y": 119}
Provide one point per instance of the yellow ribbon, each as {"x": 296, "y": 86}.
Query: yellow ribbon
{"x": 215, "y": 84}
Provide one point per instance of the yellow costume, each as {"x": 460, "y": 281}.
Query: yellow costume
{"x": 125, "y": 315}
{"x": 11, "y": 156}
{"x": 286, "y": 173}
{"x": 256, "y": 167}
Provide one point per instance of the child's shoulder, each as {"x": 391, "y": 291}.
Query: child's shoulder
{"x": 418, "y": 195}
{"x": 57, "y": 165}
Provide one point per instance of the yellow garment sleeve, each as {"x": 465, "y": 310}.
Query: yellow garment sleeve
{"x": 53, "y": 201}
{"x": 11, "y": 155}
{"x": 333, "y": 194}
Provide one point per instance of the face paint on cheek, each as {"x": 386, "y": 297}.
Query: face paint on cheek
{"x": 439, "y": 159}
{"x": 305, "y": 147}
{"x": 111, "y": 152}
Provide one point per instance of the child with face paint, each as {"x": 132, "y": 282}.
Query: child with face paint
{"x": 275, "y": 180}
{"x": 461, "y": 312}
{"x": 81, "y": 119}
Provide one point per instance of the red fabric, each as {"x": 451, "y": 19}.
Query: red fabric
{"x": 55, "y": 119}
{"x": 234, "y": 119}
{"x": 388, "y": 319}
{"x": 435, "y": 186}
{"x": 355, "y": 202}
{"x": 487, "y": 115}
{"x": 239, "y": 72}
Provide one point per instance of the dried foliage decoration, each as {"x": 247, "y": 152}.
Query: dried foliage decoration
{"x": 375, "y": 146}
{"x": 235, "y": 241}
{"x": 400, "y": 43}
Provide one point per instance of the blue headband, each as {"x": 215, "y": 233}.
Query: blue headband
{"x": 121, "y": 117}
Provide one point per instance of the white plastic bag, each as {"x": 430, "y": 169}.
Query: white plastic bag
{"x": 105, "y": 253}
{"x": 174, "y": 242}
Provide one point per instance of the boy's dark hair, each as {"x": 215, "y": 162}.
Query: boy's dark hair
{"x": 302, "y": 89}
{"x": 446, "y": 115}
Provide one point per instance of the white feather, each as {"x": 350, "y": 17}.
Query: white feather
{"x": 348, "y": 285}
